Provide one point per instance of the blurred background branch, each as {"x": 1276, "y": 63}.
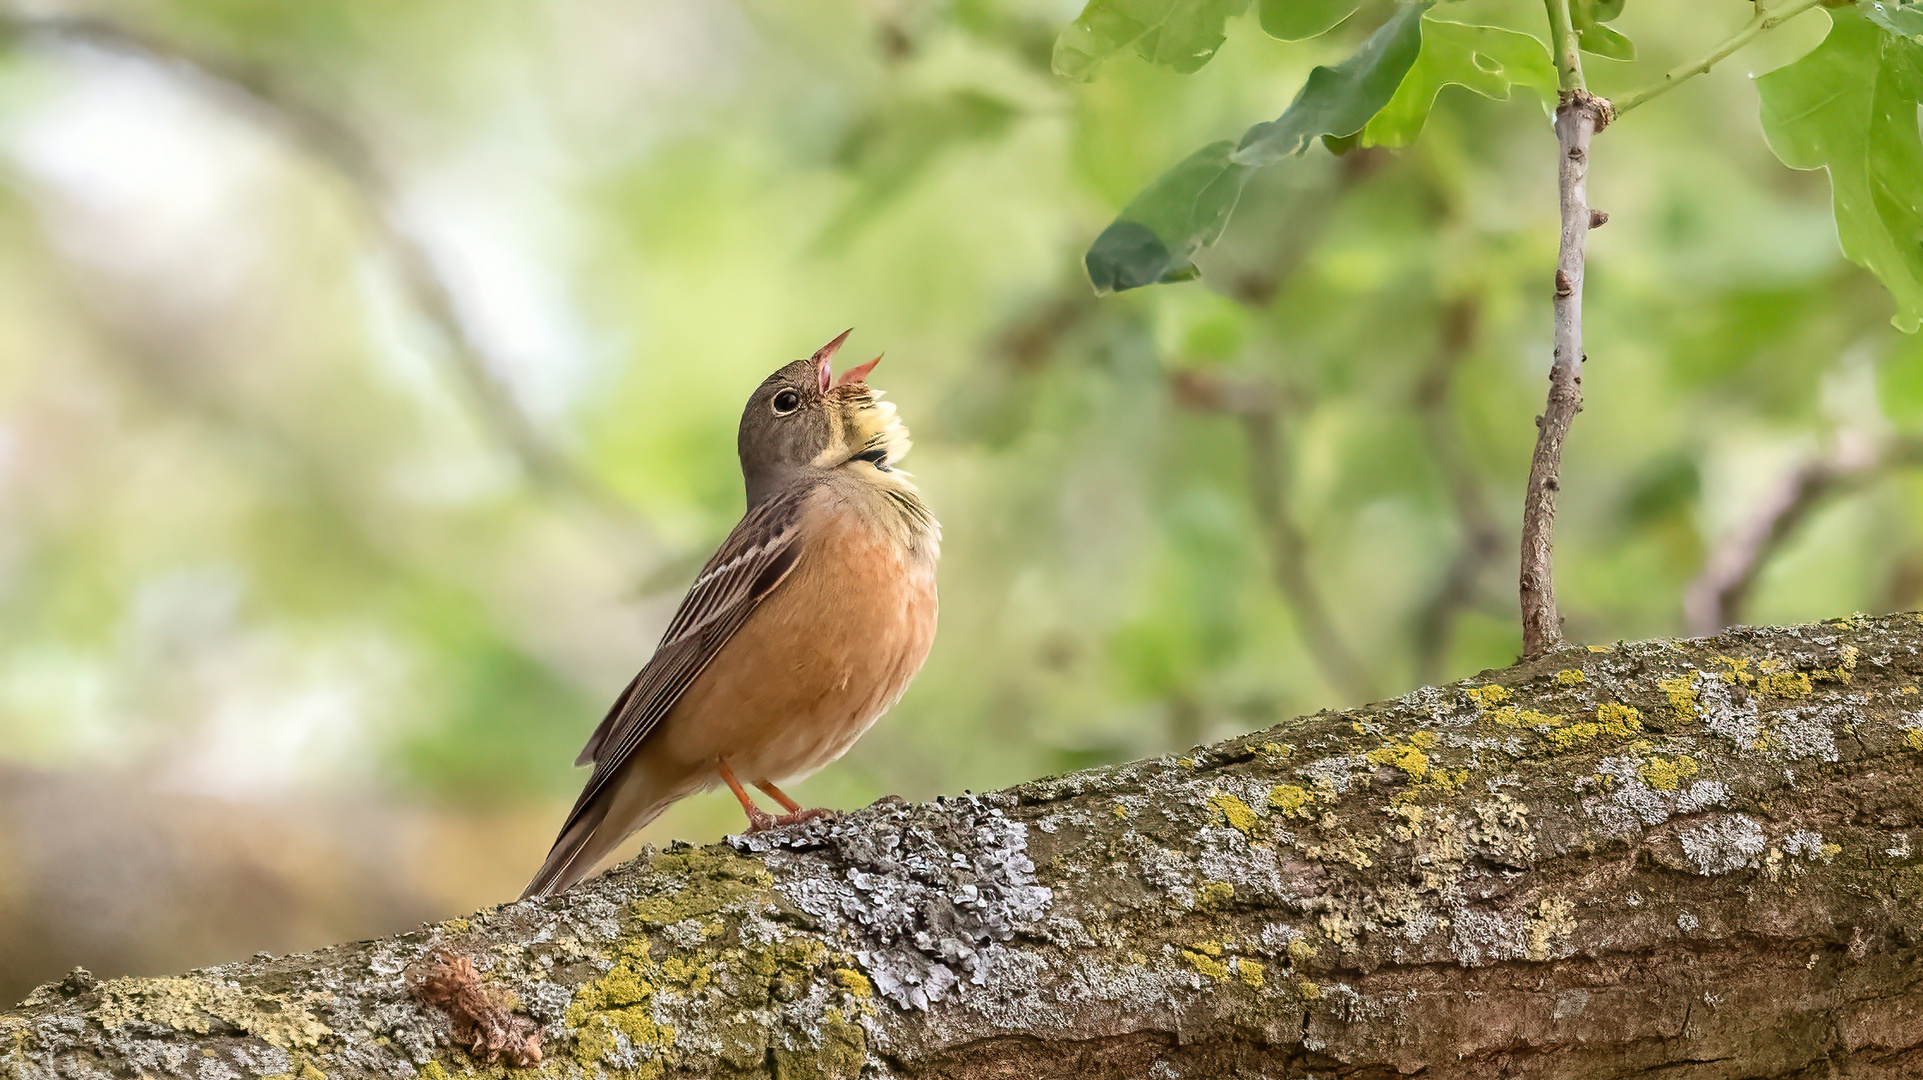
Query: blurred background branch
{"x": 1258, "y": 408}
{"x": 255, "y": 92}
{"x": 1715, "y": 599}
{"x": 1482, "y": 534}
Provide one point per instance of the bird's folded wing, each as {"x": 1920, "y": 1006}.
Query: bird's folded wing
{"x": 757, "y": 556}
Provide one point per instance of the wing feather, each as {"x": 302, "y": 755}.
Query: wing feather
{"x": 755, "y": 558}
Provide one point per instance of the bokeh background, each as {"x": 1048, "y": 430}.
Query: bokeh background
{"x": 369, "y": 375}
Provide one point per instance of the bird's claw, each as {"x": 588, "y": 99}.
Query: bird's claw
{"x": 761, "y": 820}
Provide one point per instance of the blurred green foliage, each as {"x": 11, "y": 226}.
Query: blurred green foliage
{"x": 256, "y": 533}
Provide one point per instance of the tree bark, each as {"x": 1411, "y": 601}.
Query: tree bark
{"x": 1686, "y": 858}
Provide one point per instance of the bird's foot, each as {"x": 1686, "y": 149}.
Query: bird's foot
{"x": 760, "y": 820}
{"x": 800, "y": 816}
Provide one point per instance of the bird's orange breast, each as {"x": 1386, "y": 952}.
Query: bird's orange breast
{"x": 821, "y": 658}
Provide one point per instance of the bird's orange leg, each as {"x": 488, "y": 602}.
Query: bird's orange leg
{"x": 758, "y": 819}
{"x": 795, "y": 812}
{"x": 779, "y": 796}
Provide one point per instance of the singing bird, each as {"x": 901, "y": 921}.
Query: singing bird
{"x": 798, "y": 634}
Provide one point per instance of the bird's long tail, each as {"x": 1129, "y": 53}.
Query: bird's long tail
{"x": 591, "y": 835}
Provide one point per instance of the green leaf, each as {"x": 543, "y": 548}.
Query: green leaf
{"x": 1903, "y": 20}
{"x": 1158, "y": 233}
{"x": 1299, "y": 20}
{"x": 1588, "y": 16}
{"x": 1340, "y": 100}
{"x": 1178, "y": 34}
{"x": 1601, "y": 11}
{"x": 1851, "y": 107}
{"x": 1488, "y": 60}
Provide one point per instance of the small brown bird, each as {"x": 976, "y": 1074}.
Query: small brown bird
{"x": 797, "y": 635}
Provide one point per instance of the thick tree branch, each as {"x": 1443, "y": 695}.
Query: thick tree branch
{"x": 1698, "y": 859}
{"x": 1257, "y": 408}
{"x": 1578, "y": 117}
{"x": 1715, "y": 599}
{"x": 257, "y": 94}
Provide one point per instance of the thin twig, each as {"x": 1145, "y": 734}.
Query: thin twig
{"x": 1715, "y": 599}
{"x": 1579, "y": 116}
{"x": 255, "y": 93}
{"x": 1257, "y": 407}
{"x": 1481, "y": 532}
{"x": 1567, "y": 45}
{"x": 1762, "y": 22}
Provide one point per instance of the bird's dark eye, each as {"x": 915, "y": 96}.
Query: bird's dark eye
{"x": 786, "y": 402}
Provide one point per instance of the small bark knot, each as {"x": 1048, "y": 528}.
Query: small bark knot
{"x": 1564, "y": 287}
{"x": 1582, "y": 100}
{"x": 481, "y": 1018}
{"x": 1598, "y": 218}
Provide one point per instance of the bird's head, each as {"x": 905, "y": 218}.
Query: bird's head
{"x": 802, "y": 418}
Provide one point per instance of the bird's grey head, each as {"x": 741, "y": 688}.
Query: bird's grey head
{"x": 801, "y": 418}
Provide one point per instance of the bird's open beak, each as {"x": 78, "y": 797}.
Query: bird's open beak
{"x": 858, "y": 373}
{"x": 827, "y": 353}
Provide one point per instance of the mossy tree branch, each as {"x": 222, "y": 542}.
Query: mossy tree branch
{"x": 1698, "y": 858}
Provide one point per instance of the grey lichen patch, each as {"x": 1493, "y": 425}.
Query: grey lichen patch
{"x": 1809, "y": 844}
{"x": 1334, "y": 775}
{"x": 1630, "y": 801}
{"x": 921, "y": 892}
{"x": 1724, "y": 843}
{"x": 1727, "y": 710}
{"x": 1479, "y": 937}
{"x": 1805, "y": 733}
{"x": 197, "y": 1005}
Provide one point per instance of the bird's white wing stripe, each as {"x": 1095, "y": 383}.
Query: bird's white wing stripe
{"x": 713, "y": 591}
